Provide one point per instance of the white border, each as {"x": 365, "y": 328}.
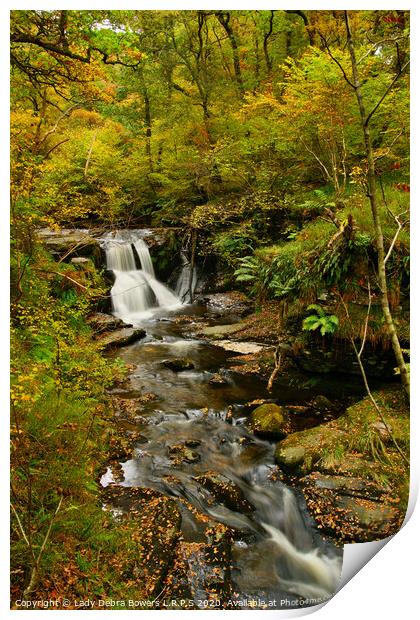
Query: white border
{"x": 386, "y": 586}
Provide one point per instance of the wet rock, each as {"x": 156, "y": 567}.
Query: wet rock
{"x": 102, "y": 322}
{"x": 218, "y": 331}
{"x": 350, "y": 508}
{"x": 120, "y": 448}
{"x": 218, "y": 380}
{"x": 243, "y": 348}
{"x": 157, "y": 535}
{"x": 179, "y": 364}
{"x": 290, "y": 459}
{"x": 182, "y": 453}
{"x": 193, "y": 443}
{"x": 121, "y": 337}
{"x": 224, "y": 491}
{"x": 234, "y": 303}
{"x": 271, "y": 421}
{"x": 321, "y": 404}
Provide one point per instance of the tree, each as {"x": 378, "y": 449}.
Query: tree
{"x": 354, "y": 81}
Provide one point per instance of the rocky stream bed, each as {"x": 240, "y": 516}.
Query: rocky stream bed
{"x": 234, "y": 508}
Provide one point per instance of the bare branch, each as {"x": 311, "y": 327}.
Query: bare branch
{"x": 60, "y": 118}
{"x": 337, "y": 62}
{"x": 365, "y": 381}
{"x": 55, "y": 147}
{"x": 25, "y": 538}
{"x": 387, "y": 91}
{"x": 362, "y": 346}
{"x": 400, "y": 227}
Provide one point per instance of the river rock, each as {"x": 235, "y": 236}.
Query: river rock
{"x": 300, "y": 452}
{"x": 218, "y": 380}
{"x": 243, "y": 348}
{"x": 157, "y": 533}
{"x": 225, "y": 491}
{"x": 179, "y": 364}
{"x": 234, "y": 303}
{"x": 218, "y": 331}
{"x": 321, "y": 404}
{"x": 180, "y": 452}
{"x": 350, "y": 508}
{"x": 121, "y": 337}
{"x": 270, "y": 420}
{"x": 102, "y": 322}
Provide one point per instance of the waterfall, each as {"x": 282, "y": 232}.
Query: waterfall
{"x": 136, "y": 292}
{"x": 183, "y": 284}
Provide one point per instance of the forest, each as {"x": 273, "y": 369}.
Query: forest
{"x": 210, "y": 275}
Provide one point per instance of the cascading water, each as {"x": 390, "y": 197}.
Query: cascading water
{"x": 191, "y": 450}
{"x": 186, "y": 279}
{"x": 136, "y": 292}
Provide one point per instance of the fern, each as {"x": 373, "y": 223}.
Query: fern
{"x": 326, "y": 323}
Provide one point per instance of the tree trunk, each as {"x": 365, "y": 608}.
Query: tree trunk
{"x": 224, "y": 19}
{"x": 148, "y": 121}
{"x": 267, "y": 36}
{"x": 371, "y": 183}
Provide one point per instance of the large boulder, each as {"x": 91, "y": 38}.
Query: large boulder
{"x": 71, "y": 242}
{"x": 300, "y": 452}
{"x": 350, "y": 508}
{"x": 102, "y": 322}
{"x": 270, "y": 421}
{"x": 121, "y": 337}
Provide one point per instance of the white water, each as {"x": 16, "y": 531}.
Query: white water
{"x": 136, "y": 293}
{"x": 183, "y": 284}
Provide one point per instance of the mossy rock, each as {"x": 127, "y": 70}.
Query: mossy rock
{"x": 270, "y": 421}
{"x": 179, "y": 364}
{"x": 180, "y": 453}
{"x": 300, "y": 452}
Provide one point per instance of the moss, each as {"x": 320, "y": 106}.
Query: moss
{"x": 270, "y": 420}
{"x": 355, "y": 444}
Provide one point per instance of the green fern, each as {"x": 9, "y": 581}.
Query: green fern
{"x": 326, "y": 323}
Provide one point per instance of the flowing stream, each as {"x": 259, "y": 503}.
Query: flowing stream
{"x": 196, "y": 447}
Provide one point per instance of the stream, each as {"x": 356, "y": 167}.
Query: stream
{"x": 195, "y": 447}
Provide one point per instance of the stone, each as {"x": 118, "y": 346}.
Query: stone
{"x": 243, "y": 348}
{"x": 80, "y": 260}
{"x": 102, "y": 322}
{"x": 300, "y": 452}
{"x": 182, "y": 453}
{"x": 74, "y": 242}
{"x": 350, "y": 508}
{"x": 224, "y": 491}
{"x": 218, "y": 381}
{"x": 179, "y": 364}
{"x": 380, "y": 428}
{"x": 270, "y": 420}
{"x": 321, "y": 404}
{"x": 217, "y": 331}
{"x": 290, "y": 459}
{"x": 121, "y": 337}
